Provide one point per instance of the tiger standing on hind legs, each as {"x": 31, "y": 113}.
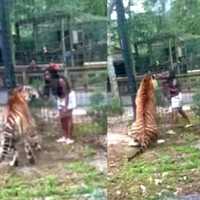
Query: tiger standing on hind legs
{"x": 18, "y": 123}
{"x": 144, "y": 130}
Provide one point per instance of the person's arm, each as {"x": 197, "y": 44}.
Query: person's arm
{"x": 72, "y": 101}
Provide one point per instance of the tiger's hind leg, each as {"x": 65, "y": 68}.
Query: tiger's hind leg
{"x": 29, "y": 152}
{"x": 8, "y": 151}
{"x": 14, "y": 161}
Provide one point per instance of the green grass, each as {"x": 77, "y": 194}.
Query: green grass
{"x": 88, "y": 173}
{"x": 84, "y": 181}
{"x": 93, "y": 128}
{"x": 169, "y": 163}
{"x": 17, "y": 188}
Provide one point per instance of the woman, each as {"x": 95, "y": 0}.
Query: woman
{"x": 175, "y": 95}
{"x": 66, "y": 102}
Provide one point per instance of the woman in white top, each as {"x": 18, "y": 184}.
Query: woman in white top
{"x": 66, "y": 102}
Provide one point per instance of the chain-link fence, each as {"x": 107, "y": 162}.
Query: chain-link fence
{"x": 190, "y": 98}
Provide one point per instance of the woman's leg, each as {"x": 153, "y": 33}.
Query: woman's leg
{"x": 184, "y": 115}
{"x": 64, "y": 124}
{"x": 70, "y": 126}
{"x": 174, "y": 116}
{"x": 67, "y": 125}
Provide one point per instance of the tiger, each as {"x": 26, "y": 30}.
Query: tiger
{"x": 18, "y": 123}
{"x": 144, "y": 129}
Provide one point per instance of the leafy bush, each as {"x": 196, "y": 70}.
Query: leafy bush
{"x": 38, "y": 103}
{"x": 114, "y": 107}
{"x": 97, "y": 79}
{"x": 101, "y": 108}
{"x": 98, "y": 103}
{"x": 36, "y": 83}
{"x": 98, "y": 108}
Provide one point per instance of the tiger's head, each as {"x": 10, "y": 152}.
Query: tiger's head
{"x": 18, "y": 105}
{"x": 18, "y": 95}
{"x": 154, "y": 81}
{"x": 148, "y": 84}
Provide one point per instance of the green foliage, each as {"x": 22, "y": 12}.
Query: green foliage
{"x": 101, "y": 108}
{"x": 181, "y": 17}
{"x": 39, "y": 103}
{"x": 114, "y": 107}
{"x": 98, "y": 79}
{"x": 186, "y": 16}
{"x": 175, "y": 163}
{"x": 36, "y": 83}
{"x": 44, "y": 8}
{"x": 99, "y": 104}
{"x": 196, "y": 102}
{"x": 91, "y": 128}
{"x": 98, "y": 108}
{"x": 20, "y": 188}
{"x": 143, "y": 26}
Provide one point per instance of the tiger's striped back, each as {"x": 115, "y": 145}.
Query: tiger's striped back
{"x": 144, "y": 129}
{"x": 18, "y": 122}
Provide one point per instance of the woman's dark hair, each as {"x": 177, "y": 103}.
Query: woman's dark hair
{"x": 65, "y": 89}
{"x": 54, "y": 73}
{"x": 68, "y": 86}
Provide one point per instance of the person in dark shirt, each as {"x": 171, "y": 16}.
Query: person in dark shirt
{"x": 57, "y": 88}
{"x": 175, "y": 96}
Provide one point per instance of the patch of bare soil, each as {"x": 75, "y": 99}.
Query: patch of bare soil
{"x": 53, "y": 157}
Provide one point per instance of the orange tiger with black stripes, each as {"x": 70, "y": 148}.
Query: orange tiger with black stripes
{"x": 144, "y": 130}
{"x": 18, "y": 123}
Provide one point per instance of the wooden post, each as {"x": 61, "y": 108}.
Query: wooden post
{"x": 35, "y": 38}
{"x": 24, "y": 78}
{"x": 71, "y": 42}
{"x": 63, "y": 45}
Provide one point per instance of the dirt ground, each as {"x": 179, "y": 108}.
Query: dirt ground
{"x": 76, "y": 171}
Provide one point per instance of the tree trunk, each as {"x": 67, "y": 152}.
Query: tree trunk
{"x": 6, "y": 38}
{"x": 126, "y": 51}
{"x": 111, "y": 71}
{"x": 17, "y": 28}
{"x": 136, "y": 50}
{"x": 110, "y": 66}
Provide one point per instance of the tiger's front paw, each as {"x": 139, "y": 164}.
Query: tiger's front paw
{"x": 38, "y": 147}
{"x": 14, "y": 163}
